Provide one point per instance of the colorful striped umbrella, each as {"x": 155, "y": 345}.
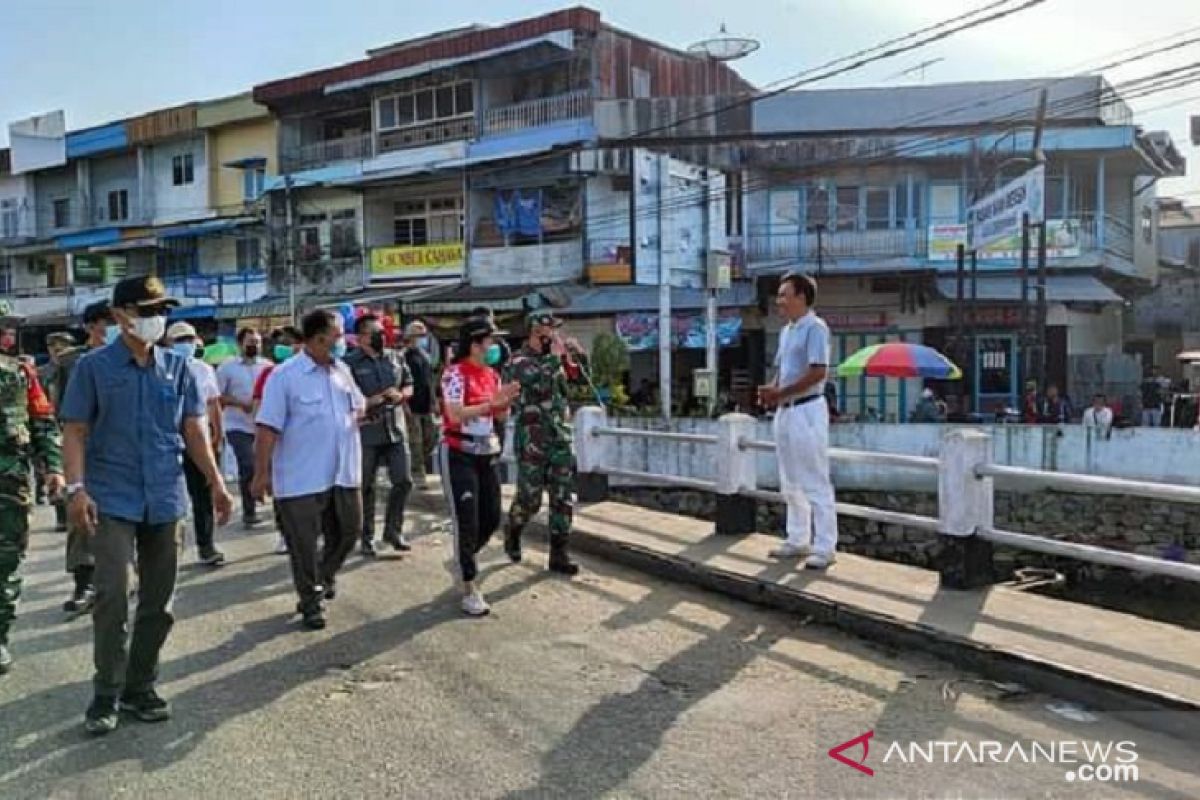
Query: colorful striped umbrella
{"x": 899, "y": 360}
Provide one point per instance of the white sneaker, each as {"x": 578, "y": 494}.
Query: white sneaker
{"x": 819, "y": 560}
{"x": 474, "y": 605}
{"x": 788, "y": 550}
{"x": 281, "y": 547}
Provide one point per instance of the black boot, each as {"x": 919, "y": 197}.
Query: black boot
{"x": 512, "y": 544}
{"x": 560, "y": 561}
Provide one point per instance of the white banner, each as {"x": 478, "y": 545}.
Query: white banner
{"x": 998, "y": 216}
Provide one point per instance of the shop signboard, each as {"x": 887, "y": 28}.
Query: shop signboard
{"x": 418, "y": 261}
{"x": 1062, "y": 241}
{"x": 639, "y": 330}
{"x": 998, "y": 216}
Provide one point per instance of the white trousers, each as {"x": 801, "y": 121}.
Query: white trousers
{"x": 802, "y": 450}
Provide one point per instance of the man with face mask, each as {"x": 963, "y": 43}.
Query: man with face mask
{"x": 385, "y": 381}
{"x": 184, "y": 340}
{"x": 131, "y": 410}
{"x": 309, "y": 458}
{"x": 422, "y": 431}
{"x": 236, "y": 379}
{"x": 544, "y": 368}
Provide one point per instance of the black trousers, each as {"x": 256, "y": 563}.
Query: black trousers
{"x": 243, "y": 451}
{"x": 473, "y": 493}
{"x": 335, "y": 517}
{"x": 202, "y": 505}
{"x": 395, "y": 457}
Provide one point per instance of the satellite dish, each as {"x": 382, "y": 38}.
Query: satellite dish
{"x": 721, "y": 46}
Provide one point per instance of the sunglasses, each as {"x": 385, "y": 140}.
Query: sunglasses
{"x": 146, "y": 311}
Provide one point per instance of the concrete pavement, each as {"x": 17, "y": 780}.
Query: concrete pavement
{"x": 612, "y": 685}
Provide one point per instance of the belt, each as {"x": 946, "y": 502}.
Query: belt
{"x": 799, "y": 401}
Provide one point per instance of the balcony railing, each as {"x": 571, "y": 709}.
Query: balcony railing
{"x": 535, "y": 113}
{"x": 451, "y": 130}
{"x": 331, "y": 151}
{"x": 762, "y": 246}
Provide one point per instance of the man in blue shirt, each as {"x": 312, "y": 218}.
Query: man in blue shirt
{"x": 130, "y": 411}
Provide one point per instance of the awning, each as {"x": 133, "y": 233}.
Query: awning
{"x": 194, "y": 312}
{"x": 205, "y": 228}
{"x": 252, "y": 162}
{"x": 79, "y": 241}
{"x": 400, "y": 293}
{"x": 619, "y": 299}
{"x": 1007, "y": 289}
{"x": 463, "y": 299}
{"x": 270, "y": 307}
{"x": 125, "y": 244}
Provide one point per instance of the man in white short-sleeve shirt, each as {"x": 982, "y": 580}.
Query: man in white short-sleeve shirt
{"x": 802, "y": 425}
{"x": 309, "y": 456}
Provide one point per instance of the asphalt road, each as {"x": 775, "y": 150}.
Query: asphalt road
{"x": 612, "y": 685}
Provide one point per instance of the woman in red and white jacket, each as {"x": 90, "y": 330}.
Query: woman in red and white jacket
{"x": 473, "y": 401}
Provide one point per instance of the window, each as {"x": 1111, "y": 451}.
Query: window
{"x": 343, "y": 234}
{"x": 944, "y": 203}
{"x": 433, "y": 221}
{"x": 182, "y": 170}
{"x": 847, "y": 208}
{"x": 1147, "y": 225}
{"x": 816, "y": 208}
{"x": 6, "y": 276}
{"x": 425, "y": 105}
{"x": 879, "y": 211}
{"x": 177, "y": 258}
{"x": 902, "y": 210}
{"x": 253, "y": 181}
{"x": 118, "y": 206}
{"x": 308, "y": 244}
{"x": 249, "y": 254}
{"x": 640, "y": 81}
{"x": 8, "y": 219}
{"x": 62, "y": 212}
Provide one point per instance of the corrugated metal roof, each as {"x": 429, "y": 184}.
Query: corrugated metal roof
{"x": 1059, "y": 289}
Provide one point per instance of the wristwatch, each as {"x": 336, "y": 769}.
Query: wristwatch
{"x": 73, "y": 489}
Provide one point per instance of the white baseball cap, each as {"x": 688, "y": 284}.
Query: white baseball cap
{"x": 182, "y": 330}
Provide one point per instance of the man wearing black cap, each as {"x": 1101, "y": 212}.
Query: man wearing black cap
{"x": 97, "y": 320}
{"x": 543, "y": 368}
{"x": 131, "y": 409}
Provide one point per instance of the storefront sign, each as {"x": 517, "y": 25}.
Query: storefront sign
{"x": 855, "y": 320}
{"x": 989, "y": 316}
{"x": 998, "y": 216}
{"x": 418, "y": 261}
{"x": 1062, "y": 241}
{"x": 639, "y": 330}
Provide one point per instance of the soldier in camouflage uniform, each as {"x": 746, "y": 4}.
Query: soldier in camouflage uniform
{"x": 29, "y": 435}
{"x": 544, "y": 368}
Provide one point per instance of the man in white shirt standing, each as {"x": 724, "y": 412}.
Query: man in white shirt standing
{"x": 236, "y": 379}
{"x": 309, "y": 457}
{"x": 1099, "y": 417}
{"x": 184, "y": 340}
{"x": 802, "y": 425}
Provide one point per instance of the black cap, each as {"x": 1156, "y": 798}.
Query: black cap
{"x": 143, "y": 292}
{"x": 546, "y": 318}
{"x": 479, "y": 327}
{"x": 95, "y": 312}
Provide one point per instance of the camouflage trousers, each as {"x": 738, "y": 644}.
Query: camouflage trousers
{"x": 551, "y": 471}
{"x": 14, "y": 540}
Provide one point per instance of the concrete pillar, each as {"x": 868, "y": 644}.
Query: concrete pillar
{"x": 592, "y": 453}
{"x": 736, "y": 473}
{"x": 966, "y": 504}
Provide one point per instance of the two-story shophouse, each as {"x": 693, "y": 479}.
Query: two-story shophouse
{"x": 869, "y": 189}
{"x": 460, "y": 169}
{"x": 173, "y": 192}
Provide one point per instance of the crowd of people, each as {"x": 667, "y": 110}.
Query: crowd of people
{"x": 125, "y": 434}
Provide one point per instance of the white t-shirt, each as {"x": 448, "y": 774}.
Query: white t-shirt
{"x": 1102, "y": 419}
{"x": 236, "y": 378}
{"x": 802, "y": 344}
{"x": 206, "y": 381}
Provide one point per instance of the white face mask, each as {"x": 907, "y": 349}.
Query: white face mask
{"x": 150, "y": 329}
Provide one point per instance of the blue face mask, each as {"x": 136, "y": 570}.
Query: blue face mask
{"x": 339, "y": 349}
{"x": 282, "y": 352}
{"x": 494, "y": 353}
{"x": 112, "y": 333}
{"x": 185, "y": 349}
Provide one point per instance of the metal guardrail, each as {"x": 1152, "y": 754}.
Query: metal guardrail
{"x": 961, "y": 522}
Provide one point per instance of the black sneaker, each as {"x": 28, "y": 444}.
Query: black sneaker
{"x": 314, "y": 619}
{"x": 214, "y": 558}
{"x": 146, "y": 706}
{"x": 101, "y": 716}
{"x": 330, "y": 592}
{"x": 81, "y": 601}
{"x": 561, "y": 563}
{"x": 5, "y": 659}
{"x": 367, "y": 549}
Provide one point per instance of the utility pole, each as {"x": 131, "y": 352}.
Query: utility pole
{"x": 289, "y": 246}
{"x": 664, "y": 296}
{"x": 1025, "y": 322}
{"x": 960, "y": 332}
{"x": 1041, "y": 304}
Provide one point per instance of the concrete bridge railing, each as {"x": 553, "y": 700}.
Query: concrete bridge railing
{"x": 964, "y": 469}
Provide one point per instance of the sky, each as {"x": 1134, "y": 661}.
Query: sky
{"x": 104, "y": 60}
